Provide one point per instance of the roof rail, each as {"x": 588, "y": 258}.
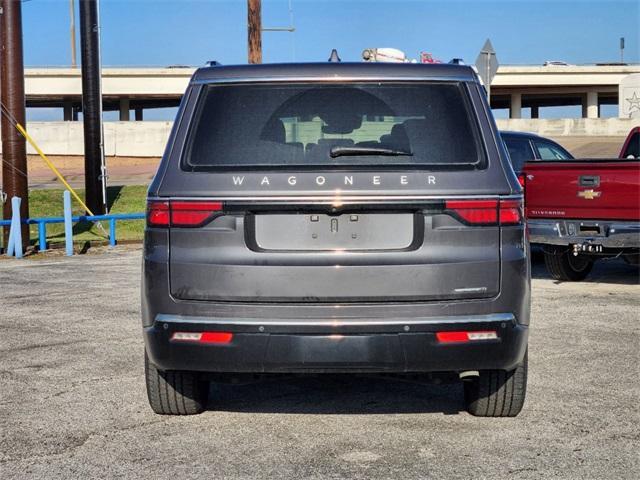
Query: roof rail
{"x": 213, "y": 63}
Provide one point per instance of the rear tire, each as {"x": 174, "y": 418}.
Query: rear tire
{"x": 632, "y": 259}
{"x": 497, "y": 393}
{"x": 174, "y": 392}
{"x": 562, "y": 265}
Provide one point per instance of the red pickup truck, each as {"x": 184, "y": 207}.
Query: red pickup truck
{"x": 582, "y": 210}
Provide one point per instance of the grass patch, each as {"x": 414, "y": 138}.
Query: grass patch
{"x": 121, "y": 199}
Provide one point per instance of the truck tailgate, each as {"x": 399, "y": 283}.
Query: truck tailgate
{"x": 583, "y": 189}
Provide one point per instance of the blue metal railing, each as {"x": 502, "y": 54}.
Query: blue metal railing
{"x": 43, "y": 222}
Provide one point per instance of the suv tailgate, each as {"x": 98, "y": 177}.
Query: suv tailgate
{"x": 399, "y": 252}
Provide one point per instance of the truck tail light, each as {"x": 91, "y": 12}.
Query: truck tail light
{"x": 486, "y": 212}
{"x": 521, "y": 180}
{"x": 182, "y": 213}
{"x": 221, "y": 338}
{"x": 466, "y": 336}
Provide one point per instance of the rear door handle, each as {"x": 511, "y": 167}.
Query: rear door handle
{"x": 589, "y": 180}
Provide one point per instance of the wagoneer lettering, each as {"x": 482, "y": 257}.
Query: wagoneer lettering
{"x": 321, "y": 180}
{"x": 366, "y": 223}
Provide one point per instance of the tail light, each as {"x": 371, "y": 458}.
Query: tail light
{"x": 521, "y": 180}
{"x": 511, "y": 212}
{"x": 181, "y": 213}
{"x": 193, "y": 214}
{"x": 486, "y": 212}
{"x": 474, "y": 212}
{"x": 158, "y": 214}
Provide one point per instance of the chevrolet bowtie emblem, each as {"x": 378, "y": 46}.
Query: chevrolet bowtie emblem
{"x": 589, "y": 194}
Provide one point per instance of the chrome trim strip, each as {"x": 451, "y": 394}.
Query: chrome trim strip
{"x": 342, "y": 199}
{"x": 496, "y": 317}
{"x": 333, "y": 78}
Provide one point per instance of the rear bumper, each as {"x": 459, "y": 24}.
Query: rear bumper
{"x": 609, "y": 234}
{"x": 397, "y": 345}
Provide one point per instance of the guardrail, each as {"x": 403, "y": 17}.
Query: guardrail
{"x": 43, "y": 222}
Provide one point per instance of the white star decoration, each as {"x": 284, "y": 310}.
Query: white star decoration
{"x": 634, "y": 102}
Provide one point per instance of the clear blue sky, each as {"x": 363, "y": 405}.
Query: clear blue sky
{"x": 187, "y": 32}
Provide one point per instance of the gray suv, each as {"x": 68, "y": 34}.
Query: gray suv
{"x": 335, "y": 218}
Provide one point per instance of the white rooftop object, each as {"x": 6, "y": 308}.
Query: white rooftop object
{"x": 386, "y": 55}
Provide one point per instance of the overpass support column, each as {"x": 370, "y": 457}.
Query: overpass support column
{"x": 124, "y": 109}
{"x": 67, "y": 110}
{"x": 590, "y": 105}
{"x": 516, "y": 106}
{"x": 535, "y": 111}
{"x": 138, "y": 114}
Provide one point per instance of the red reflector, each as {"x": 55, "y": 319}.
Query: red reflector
{"x": 510, "y": 212}
{"x": 216, "y": 337}
{"x": 203, "y": 337}
{"x": 466, "y": 336}
{"x": 192, "y": 214}
{"x": 158, "y": 214}
{"x": 476, "y": 212}
{"x": 448, "y": 337}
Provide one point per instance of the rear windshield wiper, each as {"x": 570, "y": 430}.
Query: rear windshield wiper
{"x": 346, "y": 151}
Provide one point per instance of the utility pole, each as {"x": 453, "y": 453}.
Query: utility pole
{"x": 94, "y": 167}
{"x": 72, "y": 32}
{"x": 621, "y": 49}
{"x": 254, "y": 10}
{"x": 14, "y": 151}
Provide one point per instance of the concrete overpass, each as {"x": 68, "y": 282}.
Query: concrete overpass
{"x": 514, "y": 87}
{"x": 517, "y": 87}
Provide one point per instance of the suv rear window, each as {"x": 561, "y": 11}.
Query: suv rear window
{"x": 322, "y": 125}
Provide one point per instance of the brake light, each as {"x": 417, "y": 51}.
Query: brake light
{"x": 465, "y": 336}
{"x": 486, "y": 212}
{"x": 510, "y": 212}
{"x": 181, "y": 213}
{"x": 192, "y": 214}
{"x": 158, "y": 214}
{"x": 475, "y": 212}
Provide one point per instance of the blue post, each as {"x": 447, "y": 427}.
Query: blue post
{"x": 112, "y": 232}
{"x": 14, "y": 246}
{"x": 42, "y": 236}
{"x": 68, "y": 225}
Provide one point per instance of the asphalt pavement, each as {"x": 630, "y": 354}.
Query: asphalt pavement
{"x": 73, "y": 402}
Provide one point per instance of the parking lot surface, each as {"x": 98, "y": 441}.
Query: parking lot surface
{"x": 73, "y": 402}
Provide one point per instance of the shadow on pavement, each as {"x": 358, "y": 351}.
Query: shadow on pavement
{"x": 337, "y": 394}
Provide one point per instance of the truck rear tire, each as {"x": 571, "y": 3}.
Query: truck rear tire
{"x": 562, "y": 265}
{"x": 174, "y": 392}
{"x": 497, "y": 393}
